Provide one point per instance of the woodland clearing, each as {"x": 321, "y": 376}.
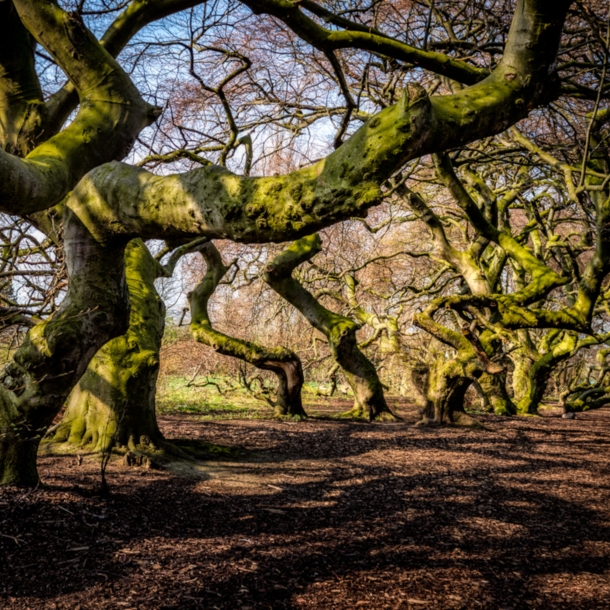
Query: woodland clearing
{"x": 324, "y": 513}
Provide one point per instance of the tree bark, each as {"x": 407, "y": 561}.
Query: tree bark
{"x": 113, "y": 404}
{"x": 284, "y": 363}
{"x": 494, "y": 389}
{"x": 56, "y": 352}
{"x": 117, "y": 203}
{"x": 443, "y": 386}
{"x": 369, "y": 399}
{"x": 540, "y": 371}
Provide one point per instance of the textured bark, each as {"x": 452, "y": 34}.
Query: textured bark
{"x": 466, "y": 263}
{"x": 496, "y": 394}
{"x": 22, "y": 108}
{"x": 446, "y": 382}
{"x": 56, "y": 352}
{"x": 113, "y": 404}
{"x": 369, "y": 399}
{"x": 521, "y": 375}
{"x": 541, "y": 370}
{"x": 284, "y": 363}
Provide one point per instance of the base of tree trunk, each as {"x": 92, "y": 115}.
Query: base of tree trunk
{"x": 496, "y": 396}
{"x": 113, "y": 405}
{"x": 460, "y": 419}
{"x": 444, "y": 385}
{"x": 527, "y": 406}
{"x": 288, "y": 403}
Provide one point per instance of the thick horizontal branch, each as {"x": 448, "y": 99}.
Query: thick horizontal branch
{"x": 118, "y": 200}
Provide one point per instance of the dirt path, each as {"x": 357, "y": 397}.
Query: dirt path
{"x": 326, "y": 514}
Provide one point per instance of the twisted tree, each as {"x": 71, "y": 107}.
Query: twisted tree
{"x": 369, "y": 399}
{"x": 284, "y": 363}
{"x": 116, "y": 202}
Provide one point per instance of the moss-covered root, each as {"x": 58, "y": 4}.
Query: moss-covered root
{"x": 114, "y": 402}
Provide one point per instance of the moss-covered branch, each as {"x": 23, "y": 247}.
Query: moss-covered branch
{"x": 111, "y": 115}
{"x": 214, "y": 202}
{"x": 22, "y": 108}
{"x": 136, "y": 16}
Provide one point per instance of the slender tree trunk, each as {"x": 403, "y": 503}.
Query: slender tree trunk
{"x": 114, "y": 402}
{"x": 283, "y": 362}
{"x": 369, "y": 399}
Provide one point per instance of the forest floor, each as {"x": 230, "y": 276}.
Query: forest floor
{"x": 324, "y": 514}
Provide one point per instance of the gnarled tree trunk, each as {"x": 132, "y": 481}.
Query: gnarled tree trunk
{"x": 369, "y": 399}
{"x": 443, "y": 387}
{"x": 496, "y": 394}
{"x": 560, "y": 347}
{"x": 56, "y": 352}
{"x": 113, "y": 404}
{"x": 283, "y": 362}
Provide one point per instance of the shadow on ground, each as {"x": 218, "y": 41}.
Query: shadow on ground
{"x": 325, "y": 515}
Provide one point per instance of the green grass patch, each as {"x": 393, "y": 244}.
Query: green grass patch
{"x": 175, "y": 396}
{"x": 219, "y": 397}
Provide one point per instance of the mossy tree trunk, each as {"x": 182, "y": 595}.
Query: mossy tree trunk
{"x": 113, "y": 404}
{"x": 369, "y": 398}
{"x": 557, "y": 347}
{"x": 56, "y": 352}
{"x": 443, "y": 387}
{"x": 522, "y": 364}
{"x": 284, "y": 363}
{"x": 496, "y": 395}
{"x": 467, "y": 263}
